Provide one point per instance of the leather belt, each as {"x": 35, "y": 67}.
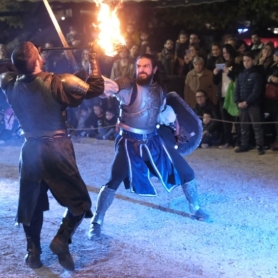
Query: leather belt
{"x": 48, "y": 135}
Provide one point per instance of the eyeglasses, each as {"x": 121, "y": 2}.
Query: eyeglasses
{"x": 200, "y": 96}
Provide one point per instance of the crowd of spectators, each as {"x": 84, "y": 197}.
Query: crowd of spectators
{"x": 217, "y": 81}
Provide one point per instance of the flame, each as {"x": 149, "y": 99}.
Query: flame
{"x": 109, "y": 25}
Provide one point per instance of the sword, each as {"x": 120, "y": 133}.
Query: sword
{"x": 61, "y": 36}
{"x": 64, "y": 48}
{"x": 118, "y": 48}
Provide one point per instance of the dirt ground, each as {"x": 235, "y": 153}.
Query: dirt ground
{"x": 154, "y": 236}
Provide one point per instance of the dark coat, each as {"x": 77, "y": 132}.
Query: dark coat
{"x": 249, "y": 87}
{"x": 271, "y": 105}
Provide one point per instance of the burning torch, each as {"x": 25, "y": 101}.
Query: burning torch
{"x": 109, "y": 39}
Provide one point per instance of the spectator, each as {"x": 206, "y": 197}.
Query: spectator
{"x": 265, "y": 59}
{"x": 190, "y": 55}
{"x": 211, "y": 134}
{"x": 199, "y": 78}
{"x": 256, "y": 44}
{"x": 8, "y": 122}
{"x": 204, "y": 104}
{"x": 241, "y": 47}
{"x": 215, "y": 57}
{"x": 82, "y": 115}
{"x": 85, "y": 60}
{"x": 132, "y": 34}
{"x": 107, "y": 128}
{"x": 49, "y": 58}
{"x": 271, "y": 105}
{"x": 123, "y": 66}
{"x": 5, "y": 61}
{"x": 8, "y": 125}
{"x": 166, "y": 57}
{"x": 128, "y": 43}
{"x": 133, "y": 53}
{"x": 195, "y": 39}
{"x": 248, "y": 96}
{"x": 225, "y": 79}
{"x": 232, "y": 41}
{"x": 144, "y": 40}
{"x": 93, "y": 118}
{"x": 180, "y": 51}
{"x": 72, "y": 34}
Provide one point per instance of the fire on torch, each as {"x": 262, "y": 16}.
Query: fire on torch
{"x": 109, "y": 38}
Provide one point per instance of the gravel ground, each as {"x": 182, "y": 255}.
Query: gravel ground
{"x": 154, "y": 236}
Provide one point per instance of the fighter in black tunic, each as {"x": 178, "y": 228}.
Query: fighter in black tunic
{"x": 47, "y": 159}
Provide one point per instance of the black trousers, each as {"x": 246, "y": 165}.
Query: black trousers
{"x": 34, "y": 230}
{"x": 251, "y": 114}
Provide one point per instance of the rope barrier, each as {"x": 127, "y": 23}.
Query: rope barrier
{"x": 91, "y": 128}
{"x": 234, "y": 122}
{"x": 215, "y": 120}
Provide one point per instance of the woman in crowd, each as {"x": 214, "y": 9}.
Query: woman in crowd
{"x": 189, "y": 56}
{"x": 215, "y": 57}
{"x": 241, "y": 48}
{"x": 199, "y": 78}
{"x": 225, "y": 79}
{"x": 265, "y": 58}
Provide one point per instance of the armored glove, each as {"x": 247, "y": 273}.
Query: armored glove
{"x": 94, "y": 69}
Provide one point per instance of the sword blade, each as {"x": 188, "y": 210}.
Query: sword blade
{"x": 61, "y": 35}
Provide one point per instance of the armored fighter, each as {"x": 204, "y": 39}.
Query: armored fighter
{"x": 140, "y": 151}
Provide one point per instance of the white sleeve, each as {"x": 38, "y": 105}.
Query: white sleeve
{"x": 110, "y": 88}
{"x": 166, "y": 116}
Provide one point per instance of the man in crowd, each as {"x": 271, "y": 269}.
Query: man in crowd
{"x": 47, "y": 159}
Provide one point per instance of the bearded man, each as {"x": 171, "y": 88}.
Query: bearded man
{"x": 140, "y": 151}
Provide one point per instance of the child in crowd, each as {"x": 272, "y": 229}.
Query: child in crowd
{"x": 248, "y": 97}
{"x": 211, "y": 135}
{"x": 93, "y": 119}
{"x": 107, "y": 127}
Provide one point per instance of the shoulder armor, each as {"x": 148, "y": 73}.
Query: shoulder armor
{"x": 5, "y": 78}
{"x": 73, "y": 84}
{"x": 124, "y": 83}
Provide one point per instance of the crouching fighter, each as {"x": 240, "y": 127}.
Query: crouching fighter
{"x": 47, "y": 159}
{"x": 140, "y": 151}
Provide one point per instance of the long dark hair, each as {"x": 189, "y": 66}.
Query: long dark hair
{"x": 233, "y": 54}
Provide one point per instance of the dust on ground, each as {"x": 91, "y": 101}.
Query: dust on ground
{"x": 154, "y": 236}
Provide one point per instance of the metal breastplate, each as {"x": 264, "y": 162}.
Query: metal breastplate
{"x": 141, "y": 115}
{"x": 34, "y": 105}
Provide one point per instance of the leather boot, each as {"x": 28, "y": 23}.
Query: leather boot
{"x": 60, "y": 243}
{"x": 190, "y": 192}
{"x": 104, "y": 200}
{"x": 33, "y": 256}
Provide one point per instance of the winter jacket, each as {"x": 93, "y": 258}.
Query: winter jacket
{"x": 249, "y": 87}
